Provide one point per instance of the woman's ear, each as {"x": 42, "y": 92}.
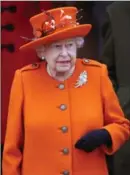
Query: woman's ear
{"x": 41, "y": 52}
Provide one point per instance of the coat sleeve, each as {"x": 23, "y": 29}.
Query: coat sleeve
{"x": 114, "y": 121}
{"x": 12, "y": 154}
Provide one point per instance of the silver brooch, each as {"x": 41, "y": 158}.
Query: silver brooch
{"x": 82, "y": 79}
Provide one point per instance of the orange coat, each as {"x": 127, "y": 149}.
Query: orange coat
{"x": 35, "y": 138}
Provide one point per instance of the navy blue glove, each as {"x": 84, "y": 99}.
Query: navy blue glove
{"x": 93, "y": 140}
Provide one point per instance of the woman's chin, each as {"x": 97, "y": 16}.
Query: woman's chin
{"x": 63, "y": 68}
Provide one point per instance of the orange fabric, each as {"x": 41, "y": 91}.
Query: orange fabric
{"x": 56, "y": 24}
{"x": 35, "y": 119}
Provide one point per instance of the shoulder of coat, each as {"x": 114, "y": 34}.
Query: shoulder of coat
{"x": 31, "y": 67}
{"x": 90, "y": 62}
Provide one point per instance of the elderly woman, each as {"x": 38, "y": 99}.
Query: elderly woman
{"x": 63, "y": 114}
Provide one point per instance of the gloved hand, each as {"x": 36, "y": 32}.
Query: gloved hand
{"x": 93, "y": 140}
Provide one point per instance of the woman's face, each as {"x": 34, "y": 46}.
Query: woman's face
{"x": 61, "y": 56}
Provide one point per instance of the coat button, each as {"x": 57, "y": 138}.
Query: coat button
{"x": 66, "y": 172}
{"x": 64, "y": 129}
{"x": 63, "y": 107}
{"x": 61, "y": 86}
{"x": 65, "y": 151}
{"x": 8, "y": 27}
{"x": 9, "y": 47}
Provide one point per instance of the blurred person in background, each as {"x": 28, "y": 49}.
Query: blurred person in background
{"x": 116, "y": 55}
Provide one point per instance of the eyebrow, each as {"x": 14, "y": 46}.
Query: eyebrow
{"x": 71, "y": 40}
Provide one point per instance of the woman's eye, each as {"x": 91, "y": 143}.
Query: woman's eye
{"x": 58, "y": 46}
{"x": 70, "y": 44}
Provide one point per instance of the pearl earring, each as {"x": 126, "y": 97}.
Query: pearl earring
{"x": 42, "y": 58}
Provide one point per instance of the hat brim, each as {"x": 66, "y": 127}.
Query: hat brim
{"x": 78, "y": 31}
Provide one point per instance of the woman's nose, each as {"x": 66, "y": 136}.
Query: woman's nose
{"x": 64, "y": 51}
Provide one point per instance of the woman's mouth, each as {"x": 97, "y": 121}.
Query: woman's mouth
{"x": 63, "y": 62}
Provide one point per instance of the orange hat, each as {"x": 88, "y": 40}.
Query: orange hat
{"x": 54, "y": 25}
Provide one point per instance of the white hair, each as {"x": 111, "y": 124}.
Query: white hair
{"x": 78, "y": 40}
